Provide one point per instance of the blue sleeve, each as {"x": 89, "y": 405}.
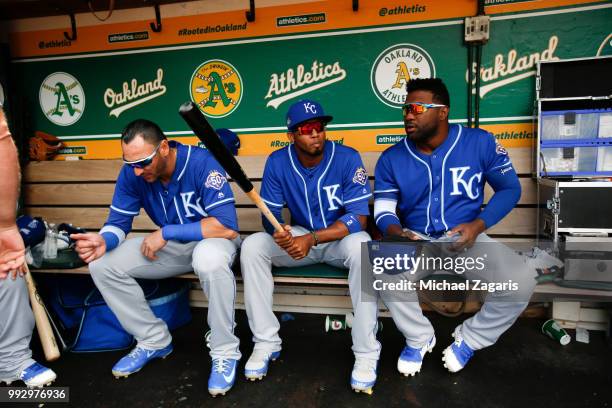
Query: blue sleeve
{"x": 356, "y": 187}
{"x": 217, "y": 194}
{"x": 272, "y": 194}
{"x": 386, "y": 194}
{"x": 125, "y": 206}
{"x": 502, "y": 178}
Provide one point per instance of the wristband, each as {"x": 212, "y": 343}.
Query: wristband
{"x": 351, "y": 222}
{"x": 111, "y": 240}
{"x": 183, "y": 232}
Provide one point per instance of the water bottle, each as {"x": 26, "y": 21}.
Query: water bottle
{"x": 50, "y": 245}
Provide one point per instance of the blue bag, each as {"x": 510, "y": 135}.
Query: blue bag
{"x": 87, "y": 324}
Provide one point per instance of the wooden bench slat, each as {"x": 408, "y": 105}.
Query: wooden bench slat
{"x": 101, "y": 194}
{"x": 93, "y": 218}
{"x": 78, "y": 170}
{"x": 521, "y": 221}
{"x": 107, "y": 170}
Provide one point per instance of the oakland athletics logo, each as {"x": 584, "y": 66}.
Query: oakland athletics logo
{"x": 62, "y": 98}
{"x": 394, "y": 67}
{"x": 216, "y": 87}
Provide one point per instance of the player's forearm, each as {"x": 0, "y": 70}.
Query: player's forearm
{"x": 213, "y": 228}
{"x": 338, "y": 230}
{"x": 393, "y": 229}
{"x": 500, "y": 205}
{"x": 208, "y": 227}
{"x": 9, "y": 168}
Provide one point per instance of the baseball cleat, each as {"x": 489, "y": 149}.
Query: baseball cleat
{"x": 256, "y": 367}
{"x": 222, "y": 376}
{"x": 456, "y": 356}
{"x": 34, "y": 376}
{"x": 137, "y": 359}
{"x": 363, "y": 376}
{"x": 410, "y": 361}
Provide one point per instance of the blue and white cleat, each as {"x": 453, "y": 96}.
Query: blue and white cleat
{"x": 34, "y": 376}
{"x": 138, "y": 358}
{"x": 222, "y": 376}
{"x": 256, "y": 367}
{"x": 410, "y": 361}
{"x": 363, "y": 376}
{"x": 457, "y": 355}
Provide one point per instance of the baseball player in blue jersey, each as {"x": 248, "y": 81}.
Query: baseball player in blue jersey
{"x": 185, "y": 192}
{"x": 432, "y": 183}
{"x": 325, "y": 187}
{"x": 16, "y": 318}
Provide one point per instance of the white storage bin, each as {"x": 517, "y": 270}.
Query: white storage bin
{"x": 605, "y": 125}
{"x": 604, "y": 158}
{"x": 584, "y": 160}
{"x": 584, "y": 126}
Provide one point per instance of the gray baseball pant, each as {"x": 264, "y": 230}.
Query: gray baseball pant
{"x": 259, "y": 253}
{"x": 499, "y": 311}
{"x": 211, "y": 259}
{"x": 16, "y": 325}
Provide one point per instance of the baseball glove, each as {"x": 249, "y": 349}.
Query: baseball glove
{"x": 44, "y": 146}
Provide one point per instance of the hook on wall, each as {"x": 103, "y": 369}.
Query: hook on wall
{"x": 355, "y": 5}
{"x": 157, "y": 25}
{"x": 72, "y": 36}
{"x": 250, "y": 14}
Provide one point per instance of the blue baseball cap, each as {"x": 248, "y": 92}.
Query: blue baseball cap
{"x": 32, "y": 230}
{"x": 230, "y": 140}
{"x": 304, "y": 110}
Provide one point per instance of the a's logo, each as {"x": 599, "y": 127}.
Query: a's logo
{"x": 332, "y": 198}
{"x": 512, "y": 67}
{"x": 215, "y": 180}
{"x": 133, "y": 94}
{"x": 216, "y": 87}
{"x": 394, "y": 67}
{"x": 361, "y": 176}
{"x": 292, "y": 83}
{"x": 605, "y": 48}
{"x": 468, "y": 187}
{"x": 62, "y": 98}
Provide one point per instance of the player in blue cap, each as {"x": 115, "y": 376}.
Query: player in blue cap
{"x": 325, "y": 187}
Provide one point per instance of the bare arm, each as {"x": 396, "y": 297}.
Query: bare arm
{"x": 12, "y": 251}
{"x": 9, "y": 169}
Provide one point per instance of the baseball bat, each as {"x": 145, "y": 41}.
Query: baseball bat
{"x": 47, "y": 338}
{"x": 202, "y": 129}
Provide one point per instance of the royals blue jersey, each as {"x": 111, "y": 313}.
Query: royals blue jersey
{"x": 198, "y": 189}
{"x": 318, "y": 196}
{"x": 436, "y": 192}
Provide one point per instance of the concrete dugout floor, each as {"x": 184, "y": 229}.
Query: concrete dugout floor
{"x": 524, "y": 369}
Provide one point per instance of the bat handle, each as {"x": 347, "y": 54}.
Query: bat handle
{"x": 256, "y": 198}
{"x": 47, "y": 338}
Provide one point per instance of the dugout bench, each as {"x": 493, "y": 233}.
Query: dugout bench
{"x": 80, "y": 192}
